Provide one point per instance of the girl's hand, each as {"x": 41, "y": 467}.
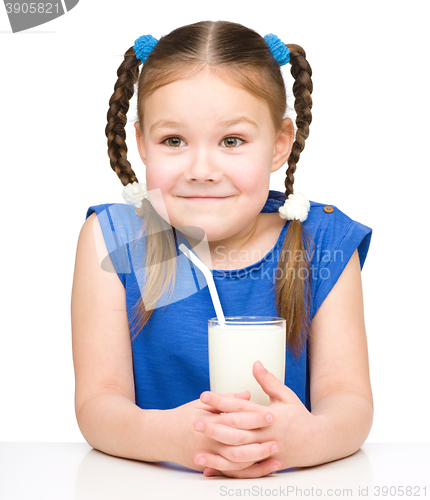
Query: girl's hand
{"x": 243, "y": 450}
{"x": 294, "y": 429}
{"x": 186, "y": 440}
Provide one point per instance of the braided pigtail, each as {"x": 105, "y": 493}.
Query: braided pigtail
{"x": 302, "y": 90}
{"x": 159, "y": 235}
{"x": 119, "y": 104}
{"x": 292, "y": 289}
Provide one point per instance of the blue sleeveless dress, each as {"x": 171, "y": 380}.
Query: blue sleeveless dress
{"x": 170, "y": 354}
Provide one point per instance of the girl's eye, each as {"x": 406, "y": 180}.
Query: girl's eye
{"x": 173, "y": 142}
{"x": 231, "y": 142}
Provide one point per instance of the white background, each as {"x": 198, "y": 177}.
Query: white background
{"x": 366, "y": 154}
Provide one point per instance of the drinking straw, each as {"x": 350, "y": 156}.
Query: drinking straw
{"x": 210, "y": 281}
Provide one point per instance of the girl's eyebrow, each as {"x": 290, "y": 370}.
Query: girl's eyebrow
{"x": 165, "y": 124}
{"x": 241, "y": 119}
{"x": 228, "y": 123}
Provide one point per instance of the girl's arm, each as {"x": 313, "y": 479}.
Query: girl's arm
{"x": 102, "y": 356}
{"x": 105, "y": 405}
{"x": 341, "y": 394}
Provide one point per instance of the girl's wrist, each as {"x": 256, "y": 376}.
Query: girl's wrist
{"x": 319, "y": 444}
{"x": 158, "y": 438}
{"x": 178, "y": 434}
{"x": 169, "y": 435}
{"x": 309, "y": 449}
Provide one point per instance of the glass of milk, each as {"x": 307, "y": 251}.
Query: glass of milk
{"x": 235, "y": 347}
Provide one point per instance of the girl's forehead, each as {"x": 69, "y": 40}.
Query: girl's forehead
{"x": 204, "y": 89}
{"x": 223, "y": 105}
{"x": 210, "y": 77}
{"x": 202, "y": 96}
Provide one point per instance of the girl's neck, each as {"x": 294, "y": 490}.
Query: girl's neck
{"x": 237, "y": 253}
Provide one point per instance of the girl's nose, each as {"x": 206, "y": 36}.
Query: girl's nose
{"x": 202, "y": 168}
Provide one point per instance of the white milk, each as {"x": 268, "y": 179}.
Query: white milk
{"x": 233, "y": 351}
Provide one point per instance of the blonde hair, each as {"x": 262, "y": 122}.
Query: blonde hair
{"x": 221, "y": 46}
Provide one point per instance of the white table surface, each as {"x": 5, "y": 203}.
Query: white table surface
{"x": 63, "y": 471}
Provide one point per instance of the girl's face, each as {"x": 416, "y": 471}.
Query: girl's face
{"x": 210, "y": 148}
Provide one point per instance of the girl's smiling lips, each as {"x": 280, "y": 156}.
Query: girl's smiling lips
{"x": 204, "y": 198}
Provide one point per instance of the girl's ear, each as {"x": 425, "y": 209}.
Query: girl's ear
{"x": 283, "y": 145}
{"x": 140, "y": 142}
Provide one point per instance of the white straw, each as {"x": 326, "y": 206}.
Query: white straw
{"x": 210, "y": 281}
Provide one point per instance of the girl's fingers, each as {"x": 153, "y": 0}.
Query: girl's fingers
{"x": 246, "y": 420}
{"x": 237, "y": 457}
{"x": 240, "y": 395}
{"x": 226, "y": 404}
{"x": 257, "y": 470}
{"x": 234, "y": 428}
{"x": 223, "y": 433}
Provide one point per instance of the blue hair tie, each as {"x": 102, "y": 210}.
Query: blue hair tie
{"x": 143, "y": 46}
{"x": 278, "y": 49}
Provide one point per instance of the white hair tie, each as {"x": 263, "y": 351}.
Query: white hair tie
{"x": 296, "y": 207}
{"x": 134, "y": 193}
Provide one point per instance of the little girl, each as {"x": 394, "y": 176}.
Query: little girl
{"x": 211, "y": 130}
